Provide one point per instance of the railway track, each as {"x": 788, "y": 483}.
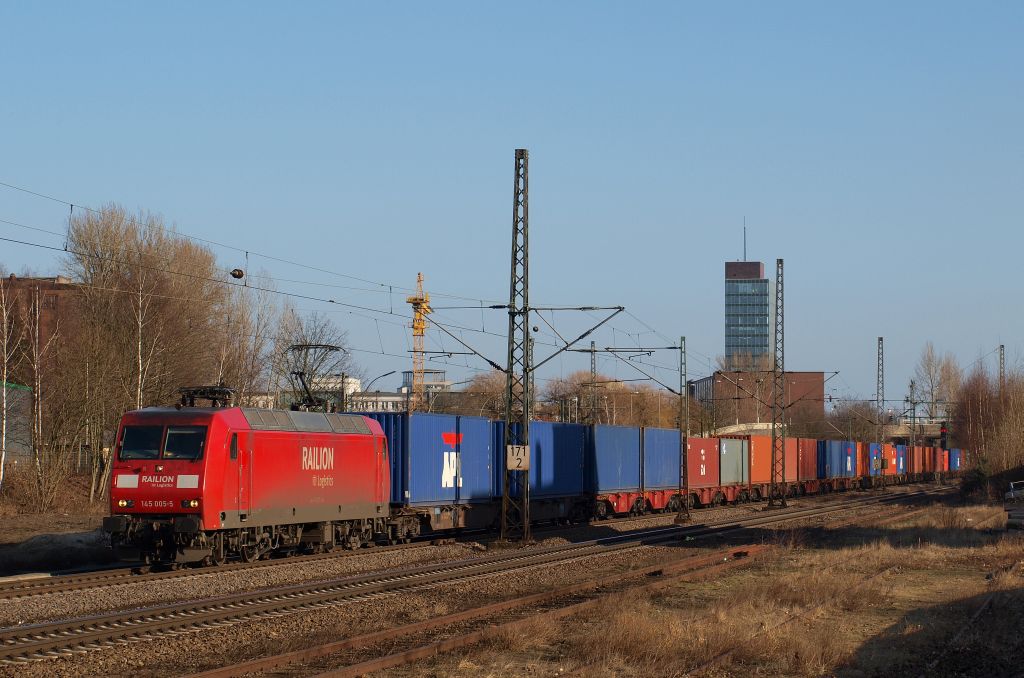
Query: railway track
{"x": 76, "y": 636}
{"x": 37, "y": 586}
{"x": 23, "y": 588}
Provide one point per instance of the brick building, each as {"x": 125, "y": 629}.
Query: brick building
{"x": 738, "y": 397}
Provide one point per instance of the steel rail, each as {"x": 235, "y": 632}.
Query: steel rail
{"x": 41, "y": 641}
{"x": 446, "y": 622}
{"x": 464, "y": 640}
{"x": 64, "y": 583}
{"x": 37, "y": 586}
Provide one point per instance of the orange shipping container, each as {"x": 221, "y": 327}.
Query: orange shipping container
{"x": 917, "y": 459}
{"x": 760, "y": 459}
{"x": 791, "y": 459}
{"x": 889, "y": 454}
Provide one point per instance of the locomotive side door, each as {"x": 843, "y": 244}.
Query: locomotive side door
{"x": 244, "y": 475}
{"x": 380, "y": 493}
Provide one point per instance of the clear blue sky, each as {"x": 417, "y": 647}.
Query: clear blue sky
{"x": 877, "y": 147}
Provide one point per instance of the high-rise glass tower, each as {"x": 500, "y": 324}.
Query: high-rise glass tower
{"x": 746, "y": 312}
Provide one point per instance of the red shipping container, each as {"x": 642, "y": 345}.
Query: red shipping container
{"x": 760, "y": 459}
{"x": 807, "y": 459}
{"x": 945, "y": 460}
{"x": 702, "y": 462}
{"x": 917, "y": 459}
{"x": 889, "y": 454}
{"x": 929, "y": 459}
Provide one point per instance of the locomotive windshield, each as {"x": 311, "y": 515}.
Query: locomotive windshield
{"x": 182, "y": 442}
{"x": 185, "y": 442}
{"x": 141, "y": 442}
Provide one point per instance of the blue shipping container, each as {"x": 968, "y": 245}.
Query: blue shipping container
{"x": 661, "y": 458}
{"x": 875, "y": 459}
{"x": 901, "y": 459}
{"x": 437, "y": 458}
{"x": 615, "y": 458}
{"x": 557, "y": 453}
{"x": 954, "y": 459}
{"x": 837, "y": 459}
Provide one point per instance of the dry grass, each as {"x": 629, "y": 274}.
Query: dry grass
{"x": 537, "y": 632}
{"x": 639, "y": 635}
{"x": 862, "y": 601}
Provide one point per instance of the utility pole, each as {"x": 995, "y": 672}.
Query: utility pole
{"x": 778, "y": 487}
{"x": 593, "y": 382}
{"x": 1002, "y": 371}
{"x": 529, "y": 361}
{"x": 515, "y": 506}
{"x": 684, "y": 439}
{"x": 913, "y": 414}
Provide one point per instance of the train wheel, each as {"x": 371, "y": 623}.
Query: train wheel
{"x": 217, "y": 555}
{"x": 601, "y": 511}
{"x": 249, "y": 554}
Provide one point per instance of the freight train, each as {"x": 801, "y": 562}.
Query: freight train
{"x": 201, "y": 485}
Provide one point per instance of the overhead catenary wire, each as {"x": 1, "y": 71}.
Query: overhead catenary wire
{"x": 241, "y": 250}
{"x": 378, "y": 286}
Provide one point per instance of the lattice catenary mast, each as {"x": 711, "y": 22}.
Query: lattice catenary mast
{"x": 880, "y": 390}
{"x": 515, "y": 503}
{"x": 778, "y": 488}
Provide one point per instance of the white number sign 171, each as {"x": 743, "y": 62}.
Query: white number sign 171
{"x": 517, "y": 457}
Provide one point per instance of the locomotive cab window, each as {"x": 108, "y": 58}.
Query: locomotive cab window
{"x": 234, "y": 446}
{"x": 141, "y": 442}
{"x": 185, "y": 442}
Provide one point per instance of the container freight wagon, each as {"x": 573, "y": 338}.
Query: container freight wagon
{"x": 633, "y": 470}
{"x": 560, "y": 461}
{"x": 837, "y": 464}
{"x": 760, "y": 450}
{"x": 614, "y": 470}
{"x": 734, "y": 468}
{"x": 441, "y": 468}
{"x": 702, "y": 471}
{"x": 661, "y": 468}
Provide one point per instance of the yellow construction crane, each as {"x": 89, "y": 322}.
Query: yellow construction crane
{"x": 420, "y": 310}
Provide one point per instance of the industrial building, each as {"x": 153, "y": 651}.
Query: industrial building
{"x": 737, "y": 398}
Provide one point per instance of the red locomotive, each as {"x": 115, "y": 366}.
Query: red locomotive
{"x": 203, "y": 484}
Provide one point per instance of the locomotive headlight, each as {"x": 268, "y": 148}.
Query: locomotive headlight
{"x": 194, "y": 503}
{"x": 122, "y": 503}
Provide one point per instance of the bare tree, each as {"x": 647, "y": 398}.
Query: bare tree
{"x": 938, "y": 377}
{"x": 316, "y": 348}
{"x": 853, "y": 420}
{"x": 10, "y": 348}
